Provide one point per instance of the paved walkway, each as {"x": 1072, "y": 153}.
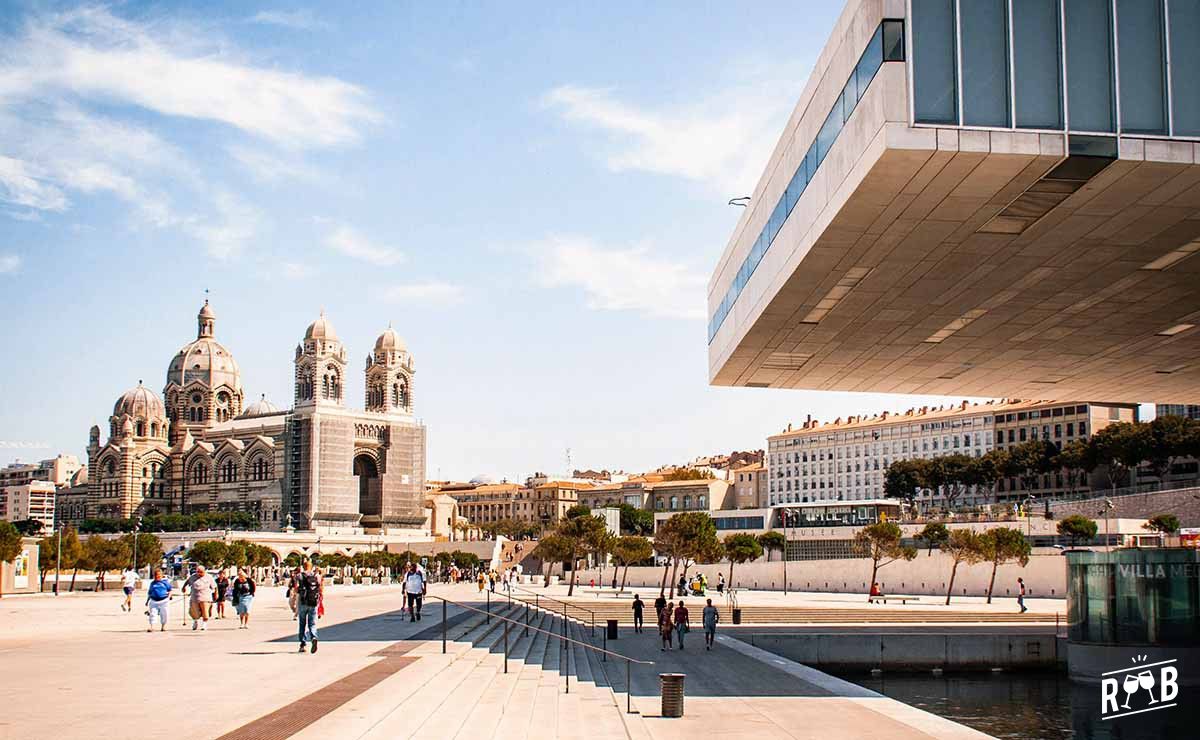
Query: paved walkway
{"x": 78, "y": 667}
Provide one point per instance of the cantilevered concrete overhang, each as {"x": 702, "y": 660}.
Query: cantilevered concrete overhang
{"x": 964, "y": 262}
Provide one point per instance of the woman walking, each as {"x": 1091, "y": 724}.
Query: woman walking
{"x": 243, "y": 596}
{"x": 157, "y": 598}
{"x": 682, "y": 623}
{"x": 222, "y": 590}
{"x": 666, "y": 626}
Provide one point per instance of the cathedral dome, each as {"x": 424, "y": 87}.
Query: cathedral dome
{"x": 261, "y": 407}
{"x": 205, "y": 360}
{"x": 321, "y": 329}
{"x": 389, "y": 341}
{"x": 139, "y": 403}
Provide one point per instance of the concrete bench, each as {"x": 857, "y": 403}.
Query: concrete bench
{"x": 884, "y": 599}
{"x": 602, "y": 591}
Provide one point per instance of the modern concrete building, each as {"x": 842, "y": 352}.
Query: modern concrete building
{"x": 33, "y": 500}
{"x": 978, "y": 198}
{"x": 846, "y": 460}
{"x": 1186, "y": 410}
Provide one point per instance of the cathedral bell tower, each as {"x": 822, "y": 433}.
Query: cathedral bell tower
{"x": 389, "y": 376}
{"x": 320, "y": 366}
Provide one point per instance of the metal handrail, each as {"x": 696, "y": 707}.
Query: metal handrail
{"x": 565, "y": 604}
{"x": 561, "y": 638}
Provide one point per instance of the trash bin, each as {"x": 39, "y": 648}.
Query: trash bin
{"x": 671, "y": 687}
{"x": 737, "y": 616}
{"x": 612, "y": 629}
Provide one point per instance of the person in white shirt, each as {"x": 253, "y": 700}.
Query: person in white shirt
{"x": 414, "y": 589}
{"x": 129, "y": 580}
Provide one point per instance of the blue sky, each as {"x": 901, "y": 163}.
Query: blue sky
{"x": 533, "y": 195}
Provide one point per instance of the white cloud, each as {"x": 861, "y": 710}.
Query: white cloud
{"x": 301, "y": 20}
{"x": 20, "y": 186}
{"x": 9, "y": 263}
{"x": 349, "y": 242}
{"x": 428, "y": 292}
{"x": 95, "y": 55}
{"x": 267, "y": 168}
{"x": 622, "y": 278}
{"x": 227, "y": 235}
{"x": 297, "y": 270}
{"x": 722, "y": 141}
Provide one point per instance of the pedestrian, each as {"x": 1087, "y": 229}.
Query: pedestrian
{"x": 129, "y": 581}
{"x": 481, "y": 581}
{"x": 659, "y": 604}
{"x": 638, "y": 606}
{"x": 720, "y": 583}
{"x": 682, "y": 586}
{"x": 242, "y": 593}
{"x": 157, "y": 598}
{"x": 414, "y": 590}
{"x": 203, "y": 587}
{"x": 682, "y": 625}
{"x": 666, "y": 628}
{"x": 308, "y": 598}
{"x": 222, "y": 592}
{"x": 710, "y": 618}
{"x": 492, "y": 581}
{"x": 1021, "y": 596}
{"x": 293, "y": 583}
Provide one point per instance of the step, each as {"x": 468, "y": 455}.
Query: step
{"x": 448, "y": 718}
{"x": 411, "y": 714}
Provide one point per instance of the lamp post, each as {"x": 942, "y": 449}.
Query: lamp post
{"x": 787, "y": 520}
{"x": 137, "y": 525}
{"x": 1107, "y": 512}
{"x": 1028, "y": 505}
{"x": 58, "y": 559}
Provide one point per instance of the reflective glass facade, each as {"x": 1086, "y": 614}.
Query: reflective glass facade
{"x": 1134, "y": 596}
{"x": 885, "y": 45}
{"x": 1086, "y": 66}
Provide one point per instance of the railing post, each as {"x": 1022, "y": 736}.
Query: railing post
{"x": 567, "y": 672}
{"x": 593, "y": 624}
{"x": 604, "y": 655}
{"x": 506, "y": 646}
{"x": 488, "y": 618}
{"x": 628, "y": 690}
{"x": 526, "y": 619}
{"x": 443, "y": 626}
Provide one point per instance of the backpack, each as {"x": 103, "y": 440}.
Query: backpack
{"x": 309, "y": 588}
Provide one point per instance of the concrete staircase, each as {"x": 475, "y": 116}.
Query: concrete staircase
{"x": 551, "y": 688}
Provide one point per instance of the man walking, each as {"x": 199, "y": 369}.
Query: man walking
{"x": 681, "y": 622}
{"x": 414, "y": 589}
{"x": 711, "y": 617}
{"x": 202, "y": 587}
{"x": 638, "y": 606}
{"x": 308, "y": 598}
{"x": 1021, "y": 596}
{"x": 129, "y": 581}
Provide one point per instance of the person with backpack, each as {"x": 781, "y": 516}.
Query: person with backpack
{"x": 414, "y": 589}
{"x": 157, "y": 598}
{"x": 242, "y": 590}
{"x": 308, "y": 599}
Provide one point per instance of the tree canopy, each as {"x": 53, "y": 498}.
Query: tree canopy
{"x": 1078, "y": 528}
{"x": 1001, "y": 545}
{"x": 1165, "y": 523}
{"x": 881, "y": 542}
{"x": 740, "y": 548}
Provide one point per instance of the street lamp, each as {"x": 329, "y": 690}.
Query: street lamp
{"x": 1107, "y": 511}
{"x": 1028, "y": 507}
{"x": 137, "y": 525}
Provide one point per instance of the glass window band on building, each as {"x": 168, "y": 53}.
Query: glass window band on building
{"x": 1098, "y": 67}
{"x": 886, "y": 45}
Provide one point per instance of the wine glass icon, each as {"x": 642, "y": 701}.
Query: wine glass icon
{"x": 1146, "y": 679}
{"x": 1130, "y": 685}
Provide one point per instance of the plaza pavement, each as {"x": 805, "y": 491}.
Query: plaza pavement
{"x": 76, "y": 666}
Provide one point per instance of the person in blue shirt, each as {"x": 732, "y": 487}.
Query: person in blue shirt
{"x": 157, "y": 598}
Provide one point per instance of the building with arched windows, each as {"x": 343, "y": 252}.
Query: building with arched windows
{"x": 317, "y": 466}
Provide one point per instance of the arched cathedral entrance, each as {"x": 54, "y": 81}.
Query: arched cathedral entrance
{"x": 370, "y": 491}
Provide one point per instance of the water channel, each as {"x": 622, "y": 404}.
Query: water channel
{"x": 1032, "y": 706}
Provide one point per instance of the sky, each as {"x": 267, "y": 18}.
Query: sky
{"x": 532, "y": 195}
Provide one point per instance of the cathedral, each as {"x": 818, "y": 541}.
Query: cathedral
{"x": 319, "y": 466}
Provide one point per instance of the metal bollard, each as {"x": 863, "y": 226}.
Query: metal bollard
{"x": 671, "y": 687}
{"x": 506, "y": 646}
{"x": 443, "y": 626}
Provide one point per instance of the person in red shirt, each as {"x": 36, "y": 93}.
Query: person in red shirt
{"x": 681, "y": 622}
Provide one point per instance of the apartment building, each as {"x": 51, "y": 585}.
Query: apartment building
{"x": 34, "y": 500}
{"x": 58, "y": 472}
{"x": 846, "y": 460}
